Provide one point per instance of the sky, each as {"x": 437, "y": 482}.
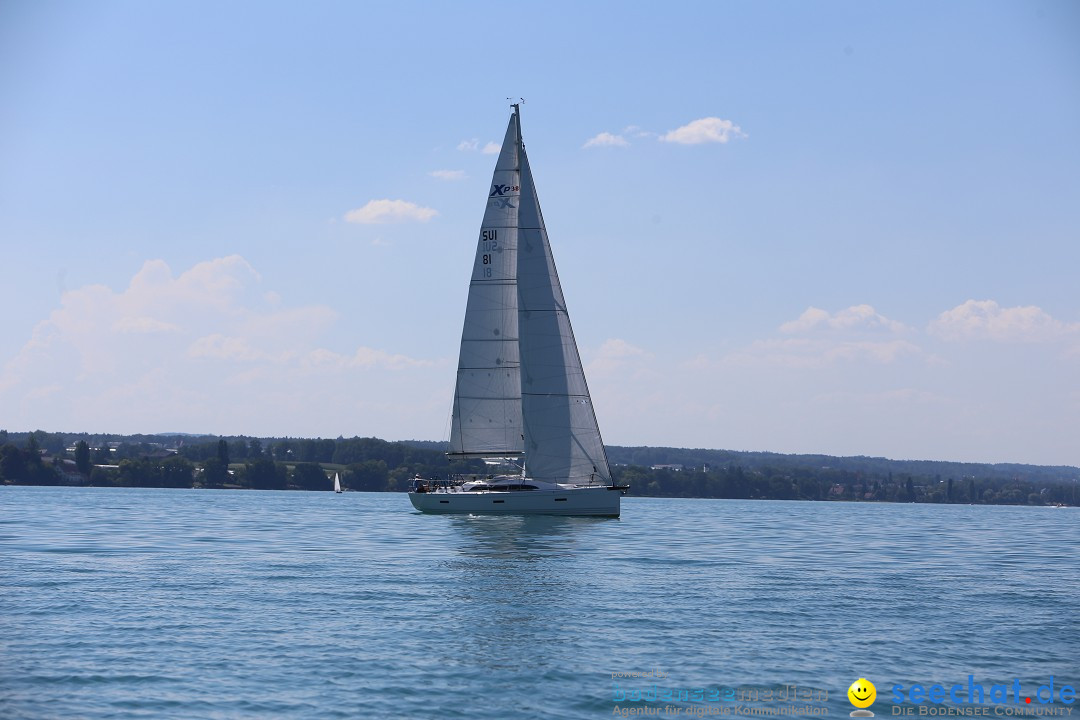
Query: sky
{"x": 849, "y": 228}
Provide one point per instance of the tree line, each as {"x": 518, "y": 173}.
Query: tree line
{"x": 371, "y": 464}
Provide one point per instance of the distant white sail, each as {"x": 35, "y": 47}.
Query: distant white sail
{"x": 337, "y": 482}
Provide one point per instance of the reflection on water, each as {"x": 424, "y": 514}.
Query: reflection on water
{"x": 532, "y": 536}
{"x": 514, "y": 588}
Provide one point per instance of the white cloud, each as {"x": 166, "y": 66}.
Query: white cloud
{"x": 616, "y": 347}
{"x": 101, "y": 331}
{"x": 810, "y": 319}
{"x": 606, "y": 139}
{"x": 473, "y": 144}
{"x": 818, "y": 353}
{"x": 379, "y": 212}
{"x": 818, "y": 339}
{"x": 369, "y": 357}
{"x": 143, "y": 326}
{"x": 986, "y": 320}
{"x": 853, "y": 381}
{"x": 448, "y": 174}
{"x": 209, "y": 350}
{"x": 364, "y": 357}
{"x": 705, "y": 130}
{"x": 856, "y": 317}
{"x": 613, "y": 354}
{"x": 880, "y": 352}
{"x": 638, "y": 132}
{"x": 234, "y": 349}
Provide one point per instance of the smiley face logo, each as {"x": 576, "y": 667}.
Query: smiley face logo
{"x": 862, "y": 693}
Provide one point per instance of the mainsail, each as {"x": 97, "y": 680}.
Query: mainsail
{"x": 486, "y": 420}
{"x": 521, "y": 386}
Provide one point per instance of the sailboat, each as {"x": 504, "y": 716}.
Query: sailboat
{"x": 337, "y": 482}
{"x": 521, "y": 403}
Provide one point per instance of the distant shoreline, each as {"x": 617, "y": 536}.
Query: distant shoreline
{"x": 374, "y": 465}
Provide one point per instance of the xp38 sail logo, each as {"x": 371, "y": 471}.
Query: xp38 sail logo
{"x": 498, "y": 193}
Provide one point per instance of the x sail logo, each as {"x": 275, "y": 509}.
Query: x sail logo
{"x": 499, "y": 190}
{"x": 503, "y": 203}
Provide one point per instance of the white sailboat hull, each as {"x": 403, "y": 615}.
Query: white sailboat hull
{"x": 599, "y": 501}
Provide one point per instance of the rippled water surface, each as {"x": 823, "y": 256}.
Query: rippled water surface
{"x": 140, "y": 603}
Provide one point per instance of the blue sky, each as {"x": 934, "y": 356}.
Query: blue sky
{"x": 847, "y": 227}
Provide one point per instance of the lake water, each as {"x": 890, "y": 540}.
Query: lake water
{"x": 142, "y": 603}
